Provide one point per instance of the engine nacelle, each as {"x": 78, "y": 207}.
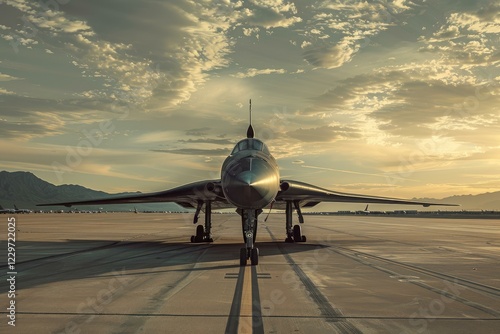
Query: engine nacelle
{"x": 284, "y": 186}
{"x": 213, "y": 188}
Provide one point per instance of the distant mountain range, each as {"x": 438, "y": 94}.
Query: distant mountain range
{"x": 26, "y": 190}
{"x": 486, "y": 201}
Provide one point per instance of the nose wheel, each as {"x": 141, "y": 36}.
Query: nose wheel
{"x": 252, "y": 254}
{"x": 243, "y": 257}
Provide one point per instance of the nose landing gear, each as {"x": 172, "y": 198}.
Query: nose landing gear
{"x": 249, "y": 228}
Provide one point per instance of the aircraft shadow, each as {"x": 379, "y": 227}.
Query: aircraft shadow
{"x": 78, "y": 259}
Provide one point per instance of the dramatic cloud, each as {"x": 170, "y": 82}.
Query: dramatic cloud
{"x": 200, "y": 132}
{"x": 197, "y": 151}
{"x": 251, "y": 72}
{"x": 468, "y": 37}
{"x": 208, "y": 141}
{"x": 6, "y": 77}
{"x": 6, "y": 92}
{"x": 323, "y": 134}
{"x": 352, "y": 24}
{"x": 407, "y": 87}
{"x": 330, "y": 56}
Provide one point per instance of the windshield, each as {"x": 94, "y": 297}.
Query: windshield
{"x": 250, "y": 144}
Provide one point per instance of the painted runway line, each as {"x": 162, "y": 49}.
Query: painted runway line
{"x": 245, "y": 315}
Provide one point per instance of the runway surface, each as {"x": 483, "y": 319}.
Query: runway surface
{"x": 137, "y": 273}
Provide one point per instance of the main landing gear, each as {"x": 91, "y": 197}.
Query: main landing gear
{"x": 249, "y": 228}
{"x": 294, "y": 234}
{"x": 203, "y": 234}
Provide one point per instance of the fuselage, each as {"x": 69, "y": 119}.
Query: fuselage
{"x": 250, "y": 175}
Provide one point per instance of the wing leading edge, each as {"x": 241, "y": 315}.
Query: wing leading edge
{"x": 187, "y": 196}
{"x": 309, "y": 195}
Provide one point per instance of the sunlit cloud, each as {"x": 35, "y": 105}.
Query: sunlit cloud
{"x": 405, "y": 88}
{"x": 251, "y": 72}
{"x": 6, "y": 77}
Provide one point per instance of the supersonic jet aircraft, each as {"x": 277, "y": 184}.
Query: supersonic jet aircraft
{"x": 250, "y": 181}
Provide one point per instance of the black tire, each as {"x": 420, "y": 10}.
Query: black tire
{"x": 254, "y": 257}
{"x": 297, "y": 233}
{"x": 199, "y": 231}
{"x": 289, "y": 240}
{"x": 243, "y": 256}
{"x": 304, "y": 239}
{"x": 193, "y": 238}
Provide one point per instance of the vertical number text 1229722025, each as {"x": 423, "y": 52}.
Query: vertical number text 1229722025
{"x": 11, "y": 271}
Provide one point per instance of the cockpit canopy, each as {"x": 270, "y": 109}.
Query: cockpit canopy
{"x": 250, "y": 144}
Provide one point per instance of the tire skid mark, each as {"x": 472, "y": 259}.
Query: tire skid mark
{"x": 333, "y": 315}
{"x": 354, "y": 256}
{"x": 454, "y": 279}
{"x": 162, "y": 296}
{"x": 484, "y": 256}
{"x": 131, "y": 326}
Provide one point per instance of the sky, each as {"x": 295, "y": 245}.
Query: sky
{"x": 393, "y": 98}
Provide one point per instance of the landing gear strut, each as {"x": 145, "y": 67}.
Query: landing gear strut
{"x": 249, "y": 228}
{"x": 293, "y": 234}
{"x": 203, "y": 234}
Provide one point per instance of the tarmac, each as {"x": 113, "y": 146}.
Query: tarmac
{"x": 138, "y": 273}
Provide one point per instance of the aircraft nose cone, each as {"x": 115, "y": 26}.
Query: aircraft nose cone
{"x": 253, "y": 187}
